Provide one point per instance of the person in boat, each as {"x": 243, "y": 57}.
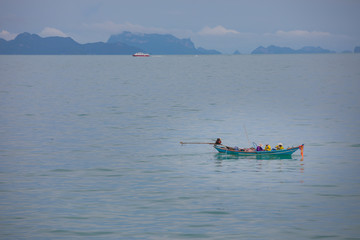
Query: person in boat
{"x": 218, "y": 141}
{"x": 249, "y": 149}
{"x": 267, "y": 147}
{"x": 259, "y": 148}
{"x": 279, "y": 147}
{"x": 236, "y": 148}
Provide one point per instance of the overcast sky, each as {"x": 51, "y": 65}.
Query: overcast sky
{"x": 224, "y": 25}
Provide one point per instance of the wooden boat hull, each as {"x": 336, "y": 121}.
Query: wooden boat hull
{"x": 284, "y": 152}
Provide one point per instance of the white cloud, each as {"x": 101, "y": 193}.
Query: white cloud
{"x": 7, "y": 36}
{"x": 114, "y": 28}
{"x": 218, "y": 30}
{"x": 52, "y": 32}
{"x": 301, "y": 33}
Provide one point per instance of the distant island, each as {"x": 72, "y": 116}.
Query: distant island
{"x": 160, "y": 44}
{"x": 128, "y": 43}
{"x": 286, "y": 50}
{"x": 28, "y": 44}
{"x": 122, "y": 44}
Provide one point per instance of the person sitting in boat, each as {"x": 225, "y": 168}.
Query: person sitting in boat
{"x": 279, "y": 147}
{"x": 249, "y": 149}
{"x": 259, "y": 148}
{"x": 218, "y": 141}
{"x": 267, "y": 147}
{"x": 236, "y": 148}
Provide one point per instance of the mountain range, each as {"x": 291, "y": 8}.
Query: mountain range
{"x": 127, "y": 43}
{"x": 122, "y": 44}
{"x": 160, "y": 44}
{"x": 26, "y": 43}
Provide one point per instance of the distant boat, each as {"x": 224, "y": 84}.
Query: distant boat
{"x": 250, "y": 151}
{"x": 253, "y": 152}
{"x": 141, "y": 54}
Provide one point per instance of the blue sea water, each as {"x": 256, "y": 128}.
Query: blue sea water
{"x": 89, "y": 147}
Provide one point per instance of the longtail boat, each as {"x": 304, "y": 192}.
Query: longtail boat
{"x": 253, "y": 152}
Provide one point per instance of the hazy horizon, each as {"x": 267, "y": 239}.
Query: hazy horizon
{"x": 225, "y": 26}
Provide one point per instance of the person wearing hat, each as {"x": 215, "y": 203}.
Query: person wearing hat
{"x": 279, "y": 146}
{"x": 259, "y": 148}
{"x": 267, "y": 147}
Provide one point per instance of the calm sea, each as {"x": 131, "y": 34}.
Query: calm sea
{"x": 89, "y": 147}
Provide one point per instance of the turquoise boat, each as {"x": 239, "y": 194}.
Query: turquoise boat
{"x": 242, "y": 152}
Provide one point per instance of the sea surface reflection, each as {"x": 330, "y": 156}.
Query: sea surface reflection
{"x": 89, "y": 147}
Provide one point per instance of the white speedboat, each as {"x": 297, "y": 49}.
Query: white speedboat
{"x": 141, "y": 54}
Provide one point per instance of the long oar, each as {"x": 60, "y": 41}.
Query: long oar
{"x": 196, "y": 143}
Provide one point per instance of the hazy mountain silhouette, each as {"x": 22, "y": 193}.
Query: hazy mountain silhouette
{"x": 126, "y": 43}
{"x": 160, "y": 43}
{"x": 26, "y": 43}
{"x": 286, "y": 50}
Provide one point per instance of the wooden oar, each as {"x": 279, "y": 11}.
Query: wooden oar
{"x": 195, "y": 143}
